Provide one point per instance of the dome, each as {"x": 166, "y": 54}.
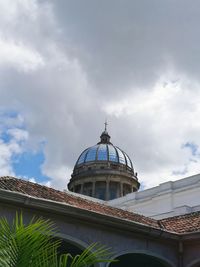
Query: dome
{"x": 104, "y": 152}
{"x": 104, "y": 171}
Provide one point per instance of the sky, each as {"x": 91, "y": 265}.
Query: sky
{"x": 66, "y": 65}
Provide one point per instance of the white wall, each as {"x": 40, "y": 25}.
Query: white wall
{"x": 167, "y": 199}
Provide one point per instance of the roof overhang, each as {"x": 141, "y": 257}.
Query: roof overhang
{"x": 55, "y": 207}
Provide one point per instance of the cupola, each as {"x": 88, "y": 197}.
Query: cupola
{"x": 104, "y": 171}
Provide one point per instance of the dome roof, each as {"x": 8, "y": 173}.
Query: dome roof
{"x": 104, "y": 152}
{"x": 103, "y": 171}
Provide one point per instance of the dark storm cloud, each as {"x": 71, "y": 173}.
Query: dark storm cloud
{"x": 131, "y": 43}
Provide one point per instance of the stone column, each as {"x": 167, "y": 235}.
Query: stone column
{"x": 121, "y": 189}
{"x": 81, "y": 188}
{"x": 132, "y": 188}
{"x": 107, "y": 189}
{"x": 93, "y": 188}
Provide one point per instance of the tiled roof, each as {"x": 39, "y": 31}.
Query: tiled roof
{"x": 39, "y": 191}
{"x": 180, "y": 224}
{"x": 186, "y": 223}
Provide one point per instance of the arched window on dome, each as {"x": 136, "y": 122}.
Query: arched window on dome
{"x": 100, "y": 190}
{"x": 77, "y": 188}
{"x": 114, "y": 190}
{"x": 87, "y": 189}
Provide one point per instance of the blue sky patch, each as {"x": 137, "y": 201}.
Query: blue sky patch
{"x": 6, "y": 137}
{"x": 28, "y": 165}
{"x": 8, "y": 113}
{"x": 193, "y": 148}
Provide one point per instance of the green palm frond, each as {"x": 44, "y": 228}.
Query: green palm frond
{"x": 93, "y": 254}
{"x": 32, "y": 245}
{"x": 64, "y": 260}
{"x": 27, "y": 245}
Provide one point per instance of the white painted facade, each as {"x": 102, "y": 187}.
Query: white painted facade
{"x": 166, "y": 200}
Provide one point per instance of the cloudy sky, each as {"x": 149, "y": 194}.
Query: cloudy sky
{"x": 65, "y": 66}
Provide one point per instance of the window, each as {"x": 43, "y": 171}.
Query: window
{"x": 87, "y": 189}
{"x": 114, "y": 190}
{"x": 78, "y": 188}
{"x": 100, "y": 190}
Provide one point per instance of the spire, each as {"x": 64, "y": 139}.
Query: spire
{"x": 105, "y": 137}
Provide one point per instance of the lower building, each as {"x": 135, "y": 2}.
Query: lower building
{"x": 165, "y": 200}
{"x": 136, "y": 240}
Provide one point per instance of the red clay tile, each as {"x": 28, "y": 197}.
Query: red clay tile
{"x": 179, "y": 224}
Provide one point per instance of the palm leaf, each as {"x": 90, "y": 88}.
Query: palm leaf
{"x": 32, "y": 245}
{"x": 93, "y": 254}
{"x": 27, "y": 245}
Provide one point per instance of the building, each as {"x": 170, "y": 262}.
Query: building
{"x": 165, "y": 200}
{"x": 104, "y": 171}
{"x": 135, "y": 239}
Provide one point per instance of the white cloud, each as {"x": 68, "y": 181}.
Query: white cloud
{"x": 19, "y": 34}
{"x": 65, "y": 69}
{"x": 60, "y": 176}
{"x": 18, "y": 134}
{"x": 32, "y": 180}
{"x": 19, "y": 56}
{"x": 10, "y": 149}
{"x": 161, "y": 121}
{"x": 14, "y": 10}
{"x": 5, "y": 159}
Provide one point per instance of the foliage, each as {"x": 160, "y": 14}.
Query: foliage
{"x": 32, "y": 245}
{"x": 93, "y": 254}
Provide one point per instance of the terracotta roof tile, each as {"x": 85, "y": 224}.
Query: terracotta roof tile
{"x": 179, "y": 224}
{"x": 36, "y": 190}
{"x": 182, "y": 224}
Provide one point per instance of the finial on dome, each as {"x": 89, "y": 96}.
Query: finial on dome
{"x": 106, "y": 124}
{"x": 105, "y": 137}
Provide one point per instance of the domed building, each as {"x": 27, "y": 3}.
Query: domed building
{"x": 104, "y": 171}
